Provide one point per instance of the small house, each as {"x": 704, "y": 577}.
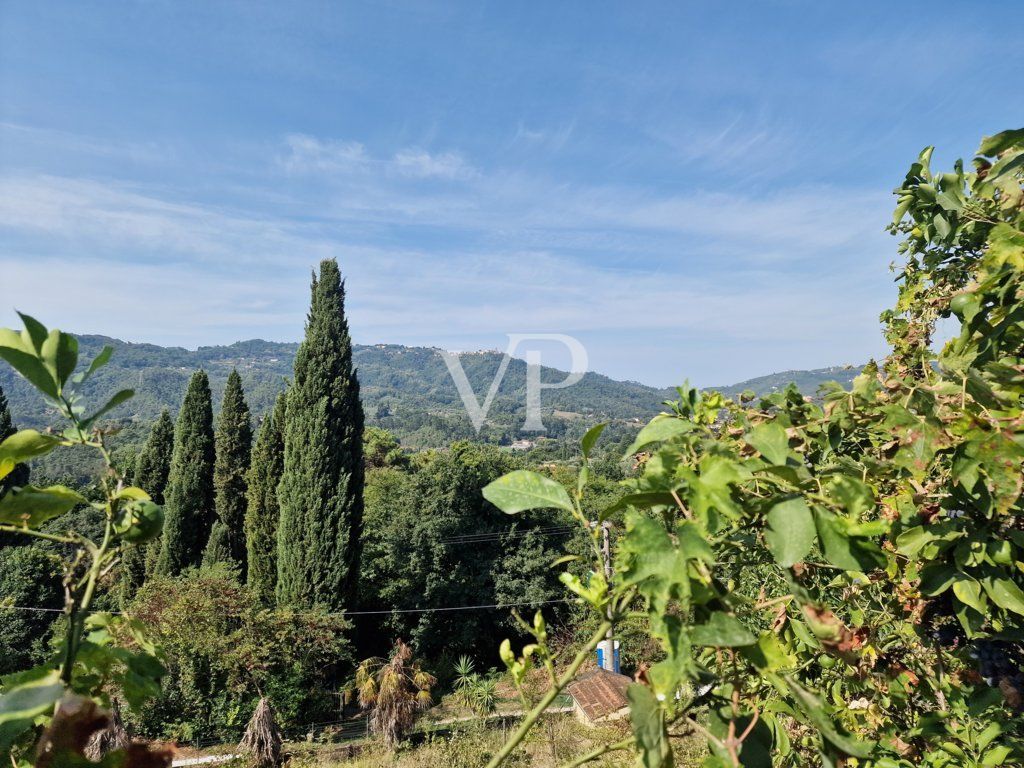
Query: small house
{"x": 599, "y": 696}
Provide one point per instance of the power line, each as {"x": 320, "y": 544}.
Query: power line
{"x": 482, "y": 537}
{"x": 342, "y": 614}
{"x": 457, "y": 607}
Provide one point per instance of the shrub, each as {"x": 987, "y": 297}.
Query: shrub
{"x": 223, "y": 650}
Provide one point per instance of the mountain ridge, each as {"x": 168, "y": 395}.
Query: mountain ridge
{"x": 405, "y": 389}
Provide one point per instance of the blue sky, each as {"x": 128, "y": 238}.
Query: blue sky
{"x": 693, "y": 189}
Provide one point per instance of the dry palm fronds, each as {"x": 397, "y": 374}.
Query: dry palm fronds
{"x": 262, "y": 737}
{"x": 109, "y": 739}
{"x": 394, "y": 690}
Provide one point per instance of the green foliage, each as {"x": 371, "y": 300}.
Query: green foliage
{"x": 321, "y": 489}
{"x": 262, "y": 509}
{"x": 86, "y": 661}
{"x": 19, "y": 476}
{"x": 431, "y": 539}
{"x": 29, "y": 576}
{"x": 841, "y": 583}
{"x": 223, "y": 648}
{"x": 472, "y": 690}
{"x": 190, "y": 492}
{"x": 382, "y": 449}
{"x": 233, "y": 447}
{"x": 218, "y": 548}
{"x": 152, "y": 468}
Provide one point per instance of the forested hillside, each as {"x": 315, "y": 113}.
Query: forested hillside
{"x": 408, "y": 390}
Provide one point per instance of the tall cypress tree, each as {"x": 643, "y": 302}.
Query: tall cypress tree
{"x": 218, "y": 549}
{"x": 263, "y": 511}
{"x": 321, "y": 490}
{"x": 234, "y": 445}
{"x": 19, "y": 476}
{"x": 152, "y": 467}
{"x": 189, "y": 509}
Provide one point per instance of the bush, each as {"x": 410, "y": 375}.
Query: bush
{"x": 29, "y": 576}
{"x": 223, "y": 650}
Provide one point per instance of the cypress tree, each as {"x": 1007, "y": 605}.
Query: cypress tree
{"x": 263, "y": 511}
{"x": 189, "y": 509}
{"x": 152, "y": 467}
{"x": 218, "y": 548}
{"x": 234, "y": 445}
{"x": 321, "y": 489}
{"x": 19, "y": 476}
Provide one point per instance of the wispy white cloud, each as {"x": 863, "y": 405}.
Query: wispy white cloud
{"x": 310, "y": 154}
{"x": 423, "y": 165}
{"x": 551, "y": 138}
{"x": 304, "y": 154}
{"x": 201, "y": 274}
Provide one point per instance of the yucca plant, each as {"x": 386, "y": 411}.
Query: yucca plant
{"x": 485, "y": 695}
{"x": 394, "y": 691}
{"x": 473, "y": 691}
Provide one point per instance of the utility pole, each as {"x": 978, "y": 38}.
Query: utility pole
{"x": 607, "y": 645}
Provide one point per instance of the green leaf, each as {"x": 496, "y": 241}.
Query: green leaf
{"x": 769, "y": 654}
{"x": 770, "y": 439}
{"x": 22, "y": 446}
{"x": 35, "y": 333}
{"x": 1004, "y": 593}
{"x": 995, "y": 145}
{"x": 595, "y": 592}
{"x": 648, "y": 722}
{"x": 98, "y": 362}
{"x": 590, "y": 438}
{"x": 1006, "y": 245}
{"x": 120, "y": 397}
{"x": 27, "y": 696}
{"x": 851, "y": 553}
{"x": 30, "y": 507}
{"x": 815, "y": 711}
{"x": 968, "y": 592}
{"x": 1007, "y": 166}
{"x": 67, "y": 356}
{"x": 722, "y": 630}
{"x": 59, "y": 354}
{"x": 660, "y": 429}
{"x": 522, "y": 490}
{"x": 692, "y": 544}
{"x": 31, "y": 368}
{"x": 854, "y": 494}
{"x": 790, "y": 533}
{"x": 644, "y": 500}
{"x": 936, "y": 578}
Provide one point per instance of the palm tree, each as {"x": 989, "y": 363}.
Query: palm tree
{"x": 394, "y": 690}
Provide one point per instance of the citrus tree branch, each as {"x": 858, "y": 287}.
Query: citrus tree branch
{"x": 535, "y": 714}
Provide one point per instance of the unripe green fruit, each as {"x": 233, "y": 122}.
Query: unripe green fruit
{"x": 959, "y": 303}
{"x": 139, "y": 521}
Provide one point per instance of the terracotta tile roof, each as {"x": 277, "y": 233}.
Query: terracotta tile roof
{"x": 600, "y": 693}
